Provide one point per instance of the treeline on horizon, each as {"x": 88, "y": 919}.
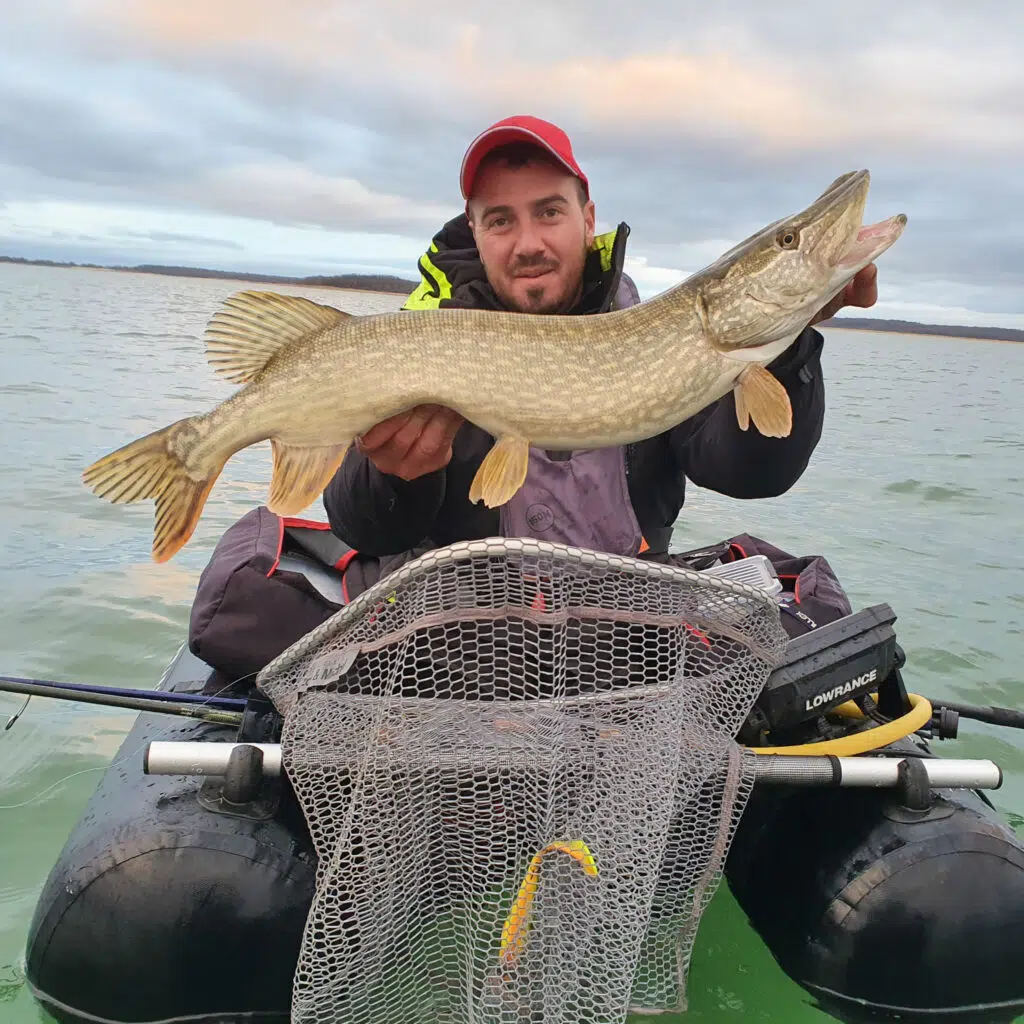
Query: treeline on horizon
{"x": 911, "y": 327}
{"x": 390, "y": 283}
{"x": 367, "y": 282}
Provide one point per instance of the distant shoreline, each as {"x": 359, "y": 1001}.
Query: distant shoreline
{"x": 921, "y": 332}
{"x": 390, "y": 284}
{"x": 954, "y": 332}
{"x": 386, "y": 283}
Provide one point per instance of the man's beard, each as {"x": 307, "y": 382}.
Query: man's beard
{"x": 535, "y": 301}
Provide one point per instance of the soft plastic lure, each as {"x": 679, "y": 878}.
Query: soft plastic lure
{"x": 513, "y": 933}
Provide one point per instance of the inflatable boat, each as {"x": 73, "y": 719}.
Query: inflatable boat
{"x": 182, "y": 897}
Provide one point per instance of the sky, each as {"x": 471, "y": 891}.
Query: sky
{"x": 318, "y": 136}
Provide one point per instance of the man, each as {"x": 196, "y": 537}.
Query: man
{"x": 527, "y": 243}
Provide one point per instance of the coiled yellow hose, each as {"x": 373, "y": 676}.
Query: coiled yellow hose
{"x": 920, "y": 714}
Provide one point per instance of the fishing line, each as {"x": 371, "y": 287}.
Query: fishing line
{"x": 17, "y": 714}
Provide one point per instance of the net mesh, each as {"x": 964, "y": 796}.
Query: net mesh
{"x": 517, "y": 763}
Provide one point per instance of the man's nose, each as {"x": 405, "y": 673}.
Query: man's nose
{"x": 528, "y": 240}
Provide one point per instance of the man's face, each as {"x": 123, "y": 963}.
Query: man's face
{"x": 532, "y": 234}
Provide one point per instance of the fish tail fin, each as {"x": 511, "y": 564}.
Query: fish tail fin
{"x": 152, "y": 467}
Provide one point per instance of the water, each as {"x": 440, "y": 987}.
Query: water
{"x": 915, "y": 495}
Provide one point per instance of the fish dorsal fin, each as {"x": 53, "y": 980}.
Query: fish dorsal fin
{"x": 253, "y": 327}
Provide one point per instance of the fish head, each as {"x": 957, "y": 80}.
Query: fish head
{"x": 764, "y": 291}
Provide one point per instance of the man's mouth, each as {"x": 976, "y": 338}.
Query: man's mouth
{"x": 536, "y": 272}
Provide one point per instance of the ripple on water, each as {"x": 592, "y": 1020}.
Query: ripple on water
{"x": 941, "y": 661}
{"x": 12, "y": 983}
{"x": 929, "y": 492}
{"x": 32, "y": 388}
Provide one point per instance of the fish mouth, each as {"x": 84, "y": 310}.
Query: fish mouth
{"x": 834, "y": 218}
{"x": 842, "y": 239}
{"x": 871, "y": 241}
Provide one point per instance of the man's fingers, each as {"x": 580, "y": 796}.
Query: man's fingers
{"x": 439, "y": 432}
{"x": 829, "y": 311}
{"x": 863, "y": 289}
{"x": 454, "y": 422}
{"x": 867, "y": 286}
{"x": 414, "y": 442}
{"x": 410, "y": 432}
{"x": 379, "y": 434}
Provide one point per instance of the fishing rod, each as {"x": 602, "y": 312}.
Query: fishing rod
{"x": 987, "y": 713}
{"x": 216, "y": 710}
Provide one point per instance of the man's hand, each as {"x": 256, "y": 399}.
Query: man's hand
{"x": 861, "y": 291}
{"x": 412, "y": 443}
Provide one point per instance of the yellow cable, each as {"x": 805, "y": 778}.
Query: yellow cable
{"x": 920, "y": 714}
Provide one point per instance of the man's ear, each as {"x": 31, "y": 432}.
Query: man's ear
{"x": 589, "y": 220}
{"x": 469, "y": 217}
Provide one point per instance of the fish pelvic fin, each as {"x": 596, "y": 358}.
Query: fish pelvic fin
{"x": 300, "y": 475}
{"x": 153, "y": 467}
{"x": 253, "y": 327}
{"x": 762, "y": 398}
{"x": 502, "y": 471}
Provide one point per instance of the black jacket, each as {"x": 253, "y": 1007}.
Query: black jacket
{"x": 379, "y": 514}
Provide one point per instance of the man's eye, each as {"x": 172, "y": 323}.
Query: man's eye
{"x": 498, "y": 222}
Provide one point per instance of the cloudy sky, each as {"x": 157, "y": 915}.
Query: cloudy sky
{"x": 314, "y": 136}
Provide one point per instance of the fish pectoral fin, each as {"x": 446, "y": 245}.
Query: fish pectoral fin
{"x": 742, "y": 412}
{"x": 253, "y": 327}
{"x": 300, "y": 475}
{"x": 151, "y": 467}
{"x": 502, "y": 472}
{"x": 761, "y": 397}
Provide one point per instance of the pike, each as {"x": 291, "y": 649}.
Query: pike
{"x": 316, "y": 377}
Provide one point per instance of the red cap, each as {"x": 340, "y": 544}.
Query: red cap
{"x": 522, "y": 128}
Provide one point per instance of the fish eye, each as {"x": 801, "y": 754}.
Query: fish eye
{"x": 788, "y": 239}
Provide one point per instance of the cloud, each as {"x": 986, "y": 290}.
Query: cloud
{"x": 174, "y": 237}
{"x": 287, "y": 193}
{"x": 301, "y": 129}
{"x": 714, "y": 73}
{"x": 115, "y": 225}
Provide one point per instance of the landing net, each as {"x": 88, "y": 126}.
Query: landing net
{"x": 517, "y": 764}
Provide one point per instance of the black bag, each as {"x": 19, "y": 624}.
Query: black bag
{"x": 811, "y": 592}
{"x": 271, "y": 580}
{"x": 254, "y": 600}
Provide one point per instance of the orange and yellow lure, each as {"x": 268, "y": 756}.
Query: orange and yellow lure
{"x": 513, "y": 933}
